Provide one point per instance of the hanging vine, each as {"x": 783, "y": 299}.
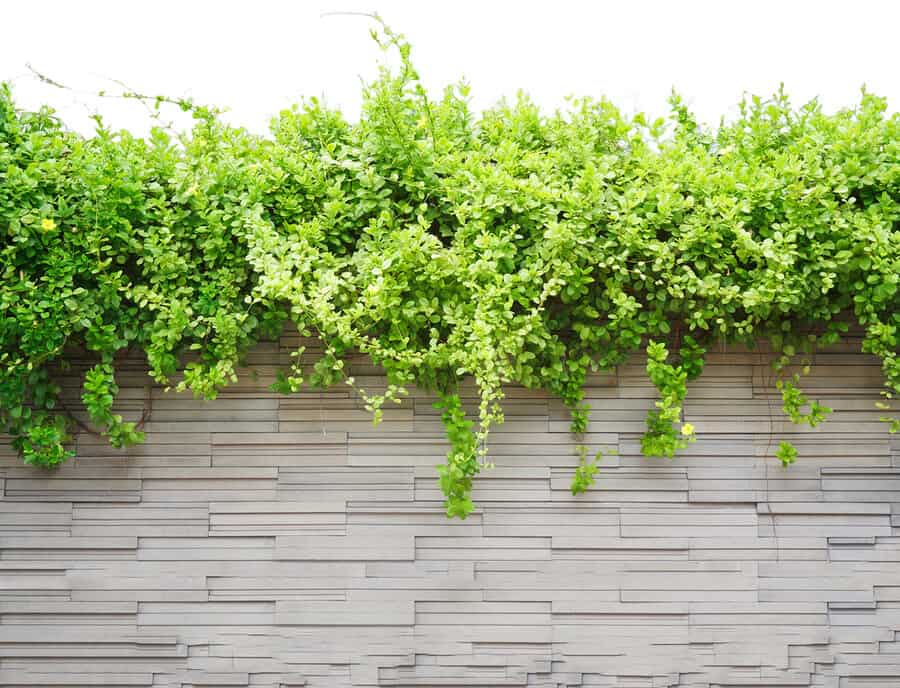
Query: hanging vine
{"x": 509, "y": 246}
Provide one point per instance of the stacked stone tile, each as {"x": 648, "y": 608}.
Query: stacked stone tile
{"x": 264, "y": 540}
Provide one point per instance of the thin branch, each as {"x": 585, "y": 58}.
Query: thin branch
{"x": 370, "y": 15}
{"x": 146, "y": 410}
{"x": 127, "y": 94}
{"x": 46, "y": 79}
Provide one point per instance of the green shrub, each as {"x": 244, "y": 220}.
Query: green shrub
{"x": 510, "y": 246}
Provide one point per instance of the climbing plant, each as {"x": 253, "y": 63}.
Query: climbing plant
{"x": 508, "y": 246}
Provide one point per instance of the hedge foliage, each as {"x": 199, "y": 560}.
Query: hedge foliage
{"x": 510, "y": 246}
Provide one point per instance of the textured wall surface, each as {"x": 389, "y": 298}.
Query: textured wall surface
{"x": 261, "y": 540}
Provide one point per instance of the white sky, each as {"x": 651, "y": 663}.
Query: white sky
{"x": 258, "y": 57}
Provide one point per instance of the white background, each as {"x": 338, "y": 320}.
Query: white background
{"x": 258, "y": 57}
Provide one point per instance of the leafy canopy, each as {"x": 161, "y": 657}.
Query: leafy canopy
{"x": 511, "y": 246}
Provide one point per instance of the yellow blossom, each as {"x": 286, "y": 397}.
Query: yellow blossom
{"x": 48, "y": 224}
{"x": 687, "y": 429}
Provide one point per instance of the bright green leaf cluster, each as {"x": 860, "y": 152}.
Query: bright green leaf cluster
{"x": 786, "y": 453}
{"x": 583, "y": 477}
{"x": 100, "y": 391}
{"x": 662, "y": 438}
{"x": 509, "y": 246}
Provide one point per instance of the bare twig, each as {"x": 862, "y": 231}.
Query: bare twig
{"x": 127, "y": 94}
{"x": 338, "y": 13}
{"x": 142, "y": 421}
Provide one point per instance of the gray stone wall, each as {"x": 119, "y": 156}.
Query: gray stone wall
{"x": 261, "y": 540}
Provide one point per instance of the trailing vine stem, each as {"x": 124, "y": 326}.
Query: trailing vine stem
{"x": 146, "y": 411}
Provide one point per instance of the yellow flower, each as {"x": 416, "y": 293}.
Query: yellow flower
{"x": 48, "y": 224}
{"x": 687, "y": 429}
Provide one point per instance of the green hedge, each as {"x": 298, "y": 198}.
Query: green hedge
{"x": 510, "y": 246}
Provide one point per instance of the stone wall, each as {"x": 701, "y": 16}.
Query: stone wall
{"x": 263, "y": 540}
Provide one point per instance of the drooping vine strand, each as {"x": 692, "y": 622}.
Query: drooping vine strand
{"x": 509, "y": 247}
